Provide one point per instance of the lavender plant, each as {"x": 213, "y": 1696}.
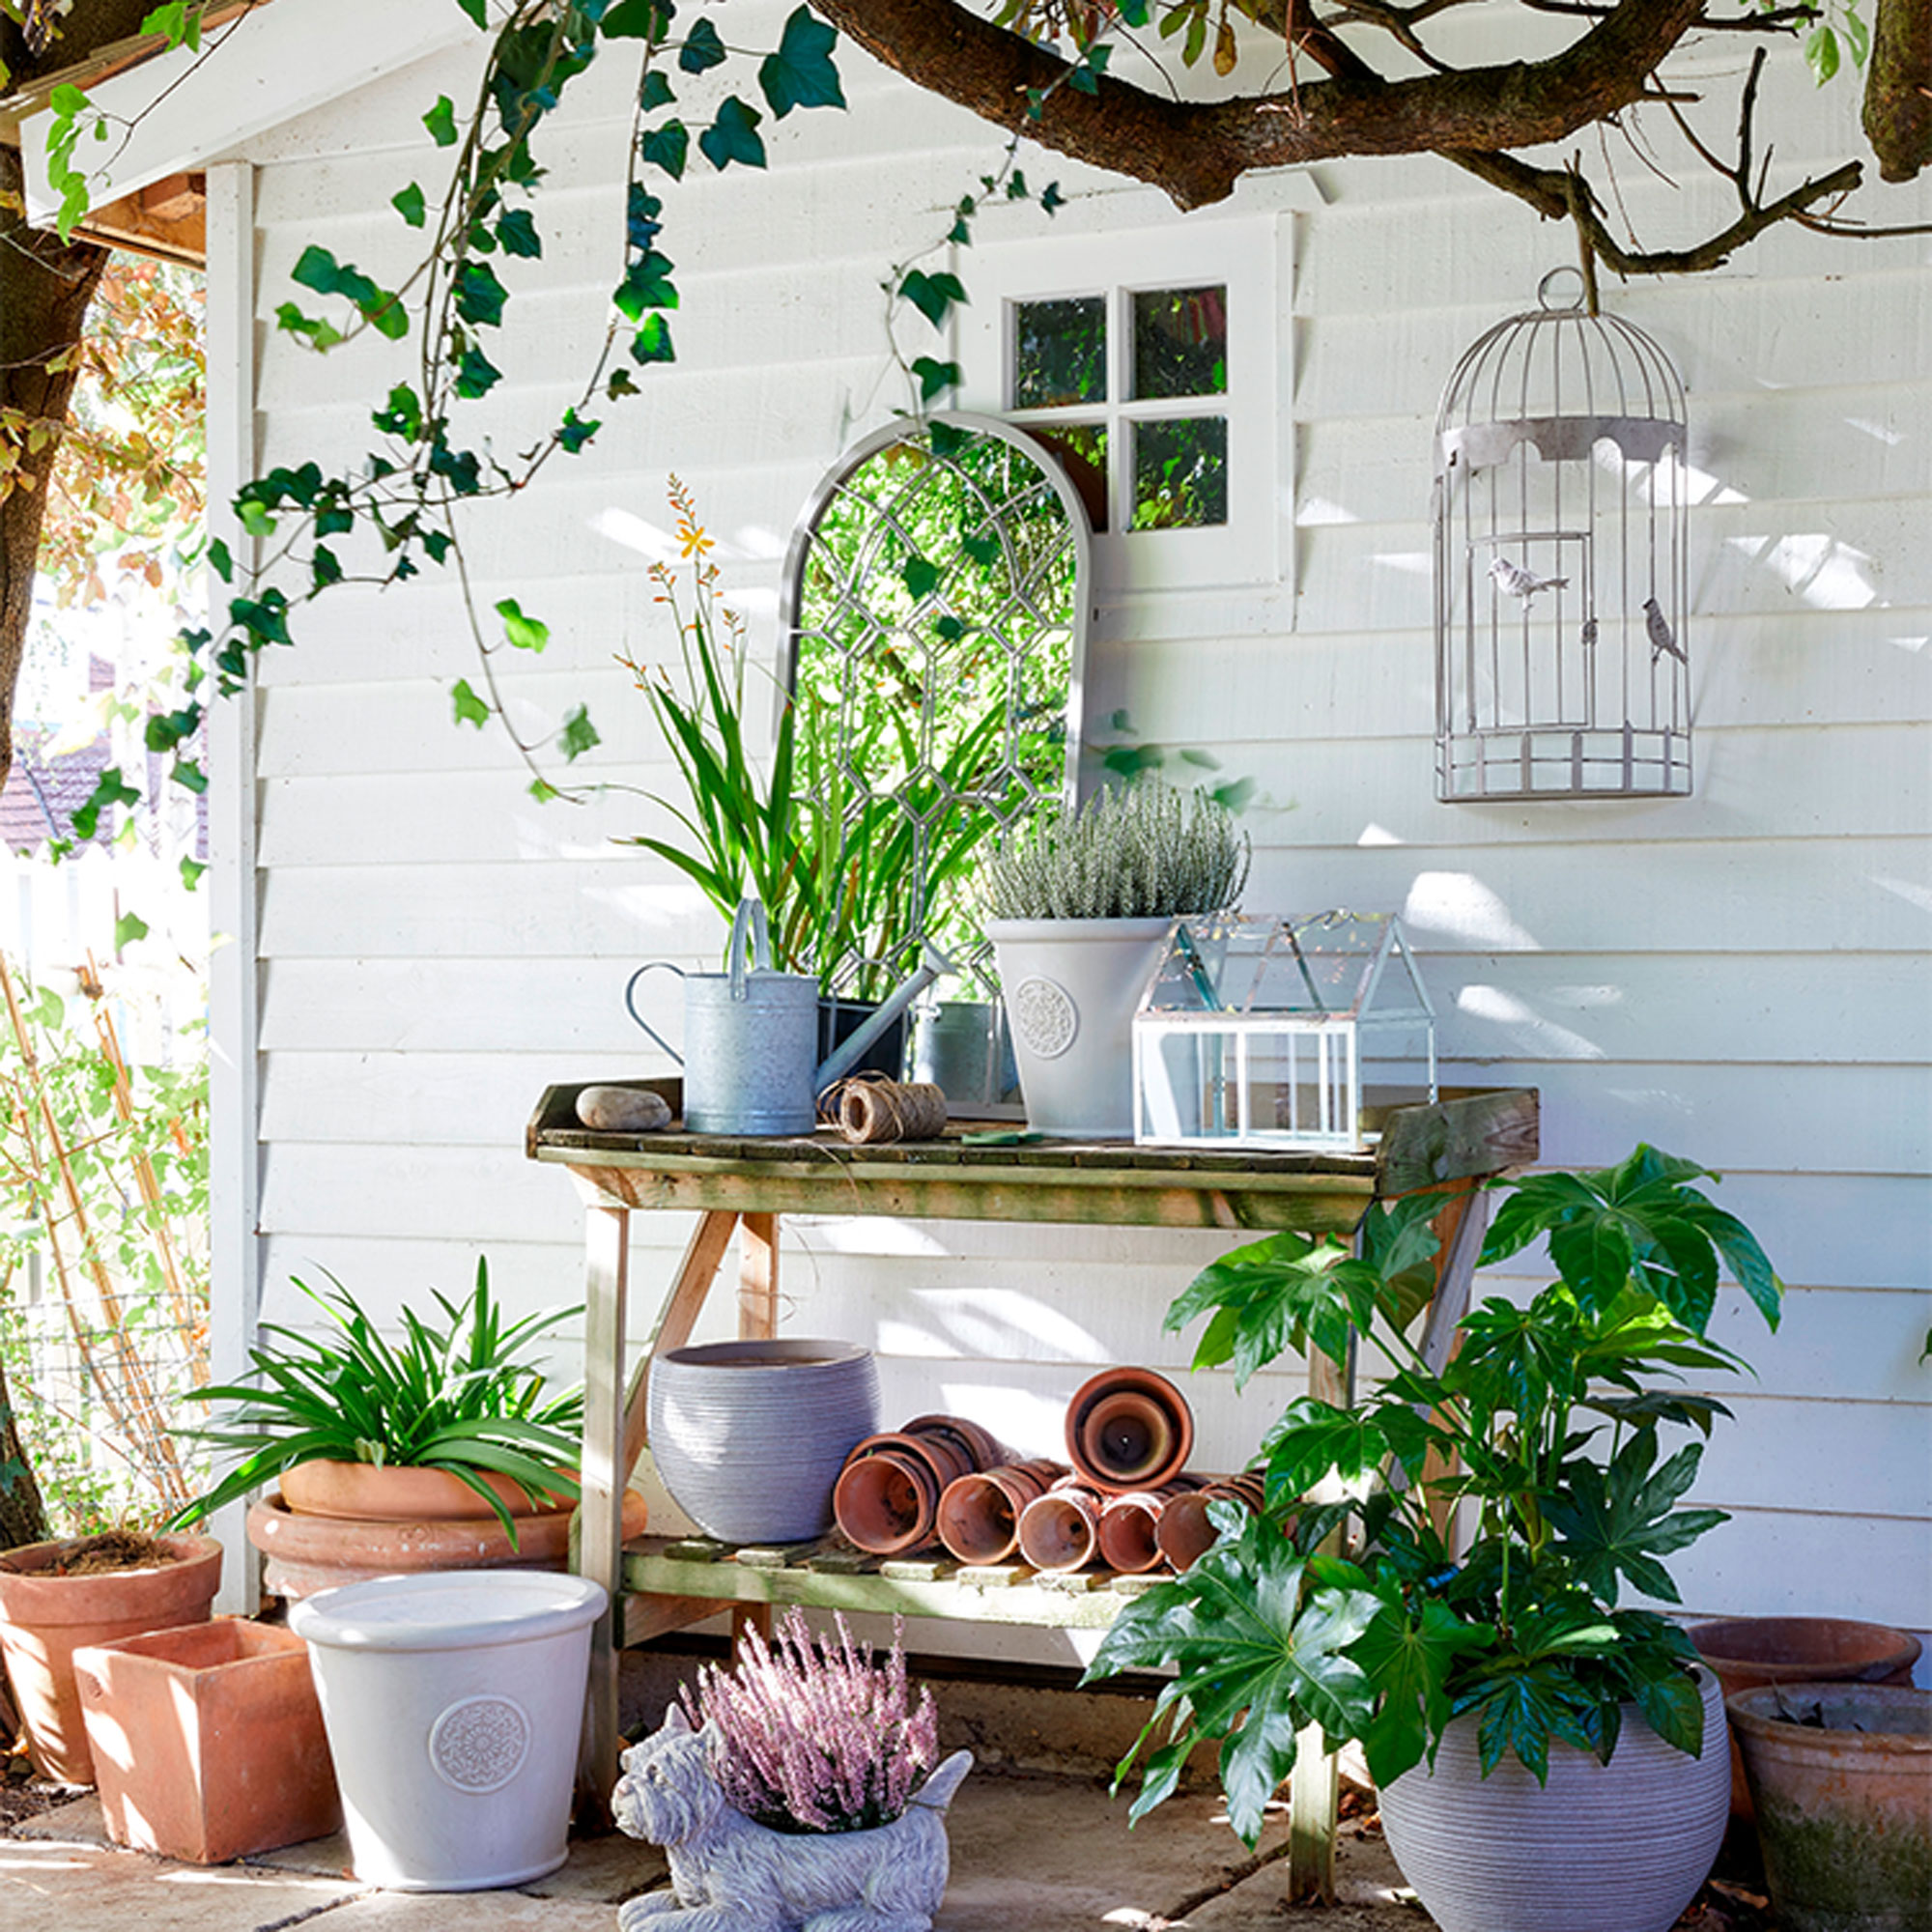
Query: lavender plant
{"x": 813, "y": 1735}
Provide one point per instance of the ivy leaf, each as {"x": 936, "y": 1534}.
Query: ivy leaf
{"x": 652, "y": 343}
{"x": 400, "y": 415}
{"x": 127, "y": 928}
{"x": 654, "y": 92}
{"x": 646, "y": 285}
{"x": 409, "y": 203}
{"x": 189, "y": 776}
{"x": 667, "y": 146}
{"x": 220, "y": 561}
{"x": 479, "y": 295}
{"x": 733, "y": 136}
{"x": 1086, "y": 77}
{"x": 920, "y": 576}
{"x": 527, "y": 633}
{"x": 324, "y": 567}
{"x": 801, "y": 73}
{"x": 702, "y": 48}
{"x": 578, "y": 734}
{"x": 935, "y": 377}
{"x": 441, "y": 121}
{"x": 475, "y": 374}
{"x": 635, "y": 21}
{"x": 191, "y": 871}
{"x": 933, "y": 294}
{"x": 476, "y": 11}
{"x": 543, "y": 792}
{"x": 469, "y": 707}
{"x": 110, "y": 788}
{"x": 574, "y": 431}
{"x": 517, "y": 235}
{"x": 1051, "y": 198}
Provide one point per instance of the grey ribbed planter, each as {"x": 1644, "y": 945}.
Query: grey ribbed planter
{"x": 1620, "y": 1847}
{"x": 750, "y": 1436}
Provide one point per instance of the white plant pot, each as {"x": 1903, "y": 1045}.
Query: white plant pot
{"x": 1617, "y": 1847}
{"x": 1072, "y": 987}
{"x": 453, "y": 1702}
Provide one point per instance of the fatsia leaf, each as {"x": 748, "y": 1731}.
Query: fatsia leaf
{"x": 1620, "y": 1520}
{"x": 1408, "y": 1656}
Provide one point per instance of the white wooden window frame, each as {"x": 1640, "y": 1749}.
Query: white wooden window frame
{"x": 1238, "y": 255}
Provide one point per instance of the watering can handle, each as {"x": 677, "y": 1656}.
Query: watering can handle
{"x": 631, "y": 1008}
{"x": 752, "y": 912}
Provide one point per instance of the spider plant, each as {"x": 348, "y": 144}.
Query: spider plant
{"x": 459, "y": 1394}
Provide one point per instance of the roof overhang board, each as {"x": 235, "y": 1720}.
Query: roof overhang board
{"x": 272, "y": 65}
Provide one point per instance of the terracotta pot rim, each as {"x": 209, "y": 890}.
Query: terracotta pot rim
{"x": 1755, "y": 1713}
{"x": 1889, "y": 1649}
{"x": 406, "y": 1493}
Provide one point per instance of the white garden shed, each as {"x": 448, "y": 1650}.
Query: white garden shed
{"x": 418, "y": 948}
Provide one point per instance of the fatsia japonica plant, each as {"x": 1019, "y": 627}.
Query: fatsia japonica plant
{"x": 1495, "y": 1502}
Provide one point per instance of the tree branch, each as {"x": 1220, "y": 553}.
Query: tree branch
{"x": 1197, "y": 150}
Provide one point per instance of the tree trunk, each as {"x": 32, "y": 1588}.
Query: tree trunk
{"x": 23, "y": 1516}
{"x": 1898, "y": 89}
{"x": 44, "y": 290}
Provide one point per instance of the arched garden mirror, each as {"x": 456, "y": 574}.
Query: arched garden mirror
{"x": 934, "y": 621}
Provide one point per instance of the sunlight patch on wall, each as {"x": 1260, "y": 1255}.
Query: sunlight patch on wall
{"x": 1829, "y": 576}
{"x": 1527, "y": 1030}
{"x": 843, "y": 1236}
{"x": 1380, "y": 835}
{"x": 1458, "y": 905}
{"x": 1907, "y": 890}
{"x": 1879, "y": 432}
{"x": 633, "y": 533}
{"x": 1320, "y": 510}
{"x": 1000, "y": 1324}
{"x": 1406, "y": 564}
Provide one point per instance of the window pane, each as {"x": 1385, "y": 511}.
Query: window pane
{"x": 1180, "y": 342}
{"x": 1180, "y": 474}
{"x": 1059, "y": 352}
{"x": 1082, "y": 450}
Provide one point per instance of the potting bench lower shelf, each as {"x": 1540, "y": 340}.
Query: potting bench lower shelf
{"x": 745, "y": 1186}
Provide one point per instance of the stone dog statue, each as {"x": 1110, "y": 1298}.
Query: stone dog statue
{"x": 731, "y": 1874}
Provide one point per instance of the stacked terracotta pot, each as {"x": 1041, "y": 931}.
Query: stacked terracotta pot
{"x": 1125, "y": 1501}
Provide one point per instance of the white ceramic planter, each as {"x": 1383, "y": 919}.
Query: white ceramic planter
{"x": 453, "y": 1702}
{"x": 1072, "y": 987}
{"x": 1620, "y": 1847}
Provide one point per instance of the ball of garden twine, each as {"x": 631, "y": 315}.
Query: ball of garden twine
{"x": 869, "y": 1108}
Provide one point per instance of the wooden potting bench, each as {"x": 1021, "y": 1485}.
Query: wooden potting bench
{"x": 746, "y": 1186}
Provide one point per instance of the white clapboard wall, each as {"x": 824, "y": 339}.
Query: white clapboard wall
{"x": 1740, "y": 976}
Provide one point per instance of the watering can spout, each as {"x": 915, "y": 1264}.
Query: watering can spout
{"x": 932, "y": 963}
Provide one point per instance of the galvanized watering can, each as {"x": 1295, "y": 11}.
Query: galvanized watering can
{"x": 751, "y": 1036}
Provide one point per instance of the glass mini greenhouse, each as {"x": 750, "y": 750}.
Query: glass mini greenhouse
{"x": 1272, "y": 1032}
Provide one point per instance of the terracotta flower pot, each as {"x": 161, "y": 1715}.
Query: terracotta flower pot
{"x": 1184, "y": 1533}
{"x": 887, "y": 1498}
{"x": 1749, "y": 1652}
{"x": 387, "y": 1492}
{"x": 307, "y": 1553}
{"x": 1617, "y": 1847}
{"x": 1130, "y": 1526}
{"x": 44, "y": 1618}
{"x": 1128, "y": 1428}
{"x": 1841, "y": 1776}
{"x": 980, "y": 1515}
{"x": 1060, "y": 1530}
{"x": 208, "y": 1741}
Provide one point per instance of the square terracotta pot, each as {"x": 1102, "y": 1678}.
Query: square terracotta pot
{"x": 208, "y": 1741}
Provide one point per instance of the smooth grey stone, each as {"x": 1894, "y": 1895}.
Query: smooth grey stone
{"x": 623, "y": 1110}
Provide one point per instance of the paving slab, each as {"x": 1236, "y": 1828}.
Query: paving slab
{"x": 1370, "y": 1895}
{"x": 47, "y": 1885}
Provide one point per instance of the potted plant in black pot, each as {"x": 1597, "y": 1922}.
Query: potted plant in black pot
{"x": 1547, "y": 1760}
{"x": 1080, "y": 907}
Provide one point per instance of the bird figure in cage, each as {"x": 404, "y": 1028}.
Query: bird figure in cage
{"x": 1661, "y": 637}
{"x": 1521, "y": 583}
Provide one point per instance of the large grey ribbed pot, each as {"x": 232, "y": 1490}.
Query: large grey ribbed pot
{"x": 750, "y": 1436}
{"x": 1617, "y": 1847}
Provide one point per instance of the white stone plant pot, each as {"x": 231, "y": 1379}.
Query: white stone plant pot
{"x": 1072, "y": 987}
{"x": 453, "y": 1702}
{"x": 1617, "y": 1847}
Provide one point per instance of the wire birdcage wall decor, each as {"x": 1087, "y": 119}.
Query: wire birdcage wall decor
{"x": 1562, "y": 581}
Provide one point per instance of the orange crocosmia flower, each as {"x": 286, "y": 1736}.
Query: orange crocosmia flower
{"x": 692, "y": 538}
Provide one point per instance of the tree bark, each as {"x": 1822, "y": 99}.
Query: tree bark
{"x": 44, "y": 290}
{"x": 23, "y": 1516}
{"x": 1898, "y": 89}
{"x": 1197, "y": 150}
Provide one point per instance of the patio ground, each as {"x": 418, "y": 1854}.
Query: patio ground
{"x": 1030, "y": 1854}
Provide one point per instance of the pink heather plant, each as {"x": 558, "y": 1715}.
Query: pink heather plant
{"x": 814, "y": 1736}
